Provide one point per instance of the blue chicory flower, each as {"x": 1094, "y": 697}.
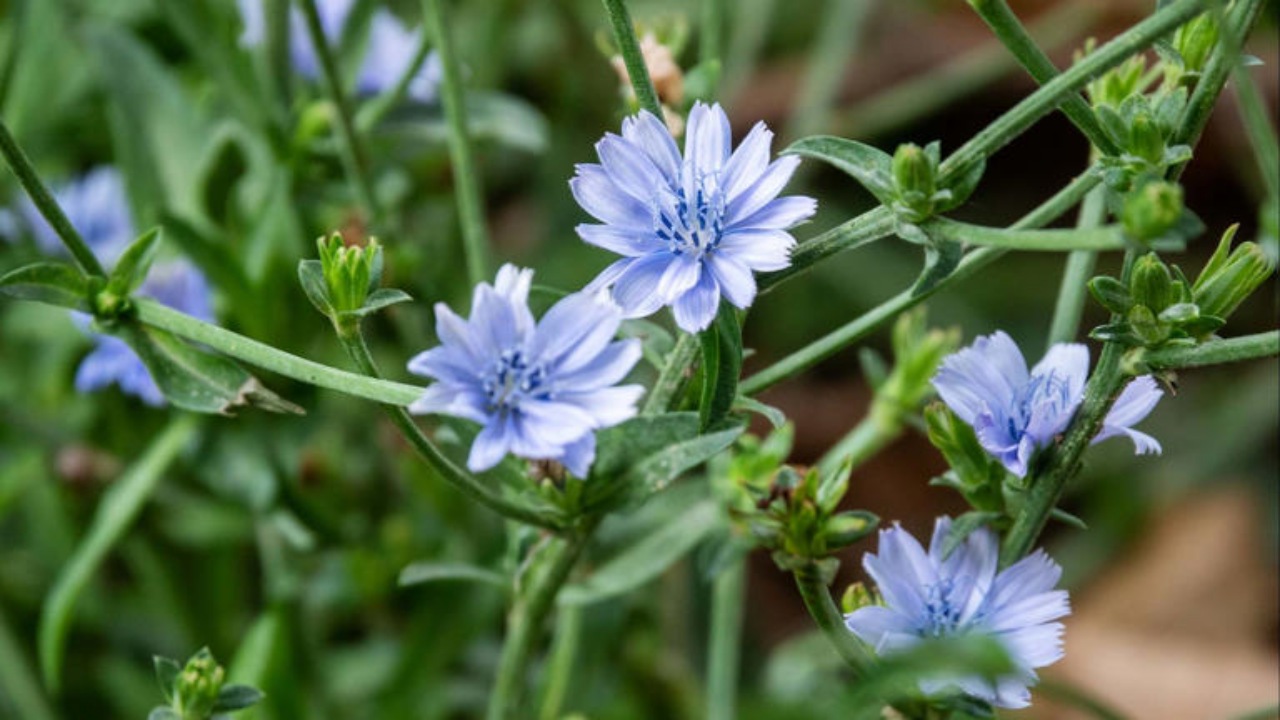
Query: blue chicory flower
{"x": 928, "y": 596}
{"x": 1015, "y": 412}
{"x": 98, "y": 208}
{"x": 540, "y": 390}
{"x": 692, "y": 228}
{"x": 392, "y": 47}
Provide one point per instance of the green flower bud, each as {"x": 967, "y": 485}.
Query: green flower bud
{"x": 197, "y": 687}
{"x": 856, "y": 596}
{"x": 1113, "y": 87}
{"x": 1151, "y": 283}
{"x": 1145, "y": 139}
{"x": 1152, "y": 210}
{"x": 847, "y": 528}
{"x": 915, "y": 173}
{"x": 1195, "y": 42}
{"x": 351, "y": 272}
{"x": 1231, "y": 276}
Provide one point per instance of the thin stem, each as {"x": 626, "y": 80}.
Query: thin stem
{"x": 1043, "y": 101}
{"x": 727, "y": 599}
{"x": 1214, "y": 352}
{"x": 1000, "y": 18}
{"x": 839, "y": 39}
{"x": 466, "y": 178}
{"x": 624, "y": 33}
{"x": 48, "y": 207}
{"x": 675, "y": 372}
{"x": 1224, "y": 60}
{"x": 863, "y": 325}
{"x": 881, "y": 426}
{"x": 264, "y": 356}
{"x": 1072, "y": 293}
{"x": 353, "y": 342}
{"x": 908, "y": 101}
{"x": 1102, "y": 238}
{"x": 1262, "y": 134}
{"x": 711, "y": 35}
{"x": 817, "y": 599}
{"x": 526, "y": 618}
{"x": 560, "y": 666}
{"x": 353, "y": 155}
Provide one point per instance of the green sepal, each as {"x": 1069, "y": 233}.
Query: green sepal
{"x": 964, "y": 526}
{"x": 1110, "y": 293}
{"x": 195, "y": 380}
{"x": 311, "y": 277}
{"x": 56, "y": 284}
{"x": 1067, "y": 518}
{"x": 167, "y": 671}
{"x": 848, "y": 528}
{"x": 870, "y": 166}
{"x": 776, "y": 417}
{"x": 131, "y": 269}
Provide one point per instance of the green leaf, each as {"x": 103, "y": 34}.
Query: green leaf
{"x": 721, "y": 366}
{"x": 964, "y": 526}
{"x": 870, "y": 166}
{"x": 658, "y": 470}
{"x": 647, "y": 558}
{"x": 382, "y": 298}
{"x": 431, "y": 571}
{"x": 131, "y": 269}
{"x": 848, "y": 528}
{"x": 1067, "y": 518}
{"x": 237, "y": 697}
{"x": 962, "y": 187}
{"x": 940, "y": 260}
{"x": 896, "y": 676}
{"x": 622, "y": 446}
{"x": 50, "y": 283}
{"x": 776, "y": 417}
{"x": 115, "y": 514}
{"x": 167, "y": 671}
{"x": 195, "y": 380}
{"x": 1110, "y": 293}
{"x": 311, "y": 277}
{"x": 638, "y": 478}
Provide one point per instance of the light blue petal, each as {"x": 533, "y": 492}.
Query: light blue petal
{"x": 630, "y": 168}
{"x": 1030, "y": 610}
{"x": 624, "y": 241}
{"x": 392, "y": 48}
{"x": 491, "y": 444}
{"x": 652, "y": 136}
{"x": 681, "y": 273}
{"x": 696, "y": 308}
{"x": 447, "y": 399}
{"x": 546, "y": 426}
{"x": 747, "y": 163}
{"x": 636, "y": 288}
{"x": 1032, "y": 575}
{"x": 574, "y": 331}
{"x": 597, "y": 193}
{"x": 607, "y": 406}
{"x": 1034, "y": 646}
{"x": 987, "y": 377}
{"x": 780, "y": 214}
{"x": 1135, "y": 403}
{"x": 513, "y": 283}
{"x": 1069, "y": 362}
{"x": 607, "y": 367}
{"x": 872, "y": 623}
{"x": 759, "y": 250}
{"x": 578, "y": 456}
{"x": 754, "y": 198}
{"x": 255, "y": 24}
{"x": 736, "y": 282}
{"x": 708, "y": 137}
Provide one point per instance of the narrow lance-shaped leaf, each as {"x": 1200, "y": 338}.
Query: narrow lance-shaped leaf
{"x": 50, "y": 283}
{"x": 871, "y": 167}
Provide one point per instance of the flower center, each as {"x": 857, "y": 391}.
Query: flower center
{"x": 690, "y": 217}
{"x": 513, "y": 379}
{"x": 1047, "y": 394}
{"x": 943, "y": 614}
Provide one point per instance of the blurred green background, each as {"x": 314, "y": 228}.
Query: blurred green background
{"x": 277, "y": 541}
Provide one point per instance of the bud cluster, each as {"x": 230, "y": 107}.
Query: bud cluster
{"x": 791, "y": 511}
{"x": 344, "y": 283}
{"x": 198, "y": 690}
{"x": 916, "y": 195}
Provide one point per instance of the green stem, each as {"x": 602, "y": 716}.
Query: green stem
{"x": 353, "y": 342}
{"x": 1225, "y": 59}
{"x": 959, "y": 77}
{"x": 1072, "y": 292}
{"x": 1214, "y": 352}
{"x": 839, "y": 38}
{"x": 711, "y": 35}
{"x": 1262, "y": 134}
{"x": 1102, "y": 238}
{"x": 353, "y": 155}
{"x": 526, "y": 618}
{"x": 18, "y": 684}
{"x": 266, "y": 357}
{"x": 817, "y": 600}
{"x": 560, "y": 666}
{"x": 115, "y": 514}
{"x": 48, "y": 207}
{"x": 624, "y": 33}
{"x": 881, "y": 426}
{"x": 466, "y": 178}
{"x": 1051, "y": 94}
{"x": 727, "y": 600}
{"x": 675, "y": 372}
{"x": 861, "y": 230}
{"x": 863, "y": 325}
{"x": 1000, "y": 18}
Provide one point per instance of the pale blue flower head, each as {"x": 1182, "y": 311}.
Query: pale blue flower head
{"x": 693, "y": 227}
{"x": 97, "y": 206}
{"x": 540, "y": 389}
{"x": 391, "y": 47}
{"x": 928, "y": 596}
{"x": 1016, "y": 412}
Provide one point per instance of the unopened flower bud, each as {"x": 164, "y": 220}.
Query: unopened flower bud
{"x": 1145, "y": 139}
{"x": 351, "y": 272}
{"x": 914, "y": 174}
{"x": 856, "y": 596}
{"x": 1195, "y": 41}
{"x": 1151, "y": 283}
{"x": 1231, "y": 276}
{"x": 1152, "y": 210}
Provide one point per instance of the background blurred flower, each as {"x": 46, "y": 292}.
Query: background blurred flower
{"x": 692, "y": 228}
{"x": 540, "y": 390}
{"x": 929, "y": 596}
{"x": 97, "y": 206}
